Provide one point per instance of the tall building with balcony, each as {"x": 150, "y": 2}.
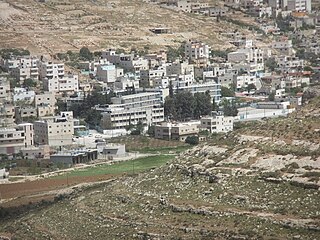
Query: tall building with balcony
{"x": 213, "y": 88}
{"x": 197, "y": 52}
{"x": 129, "y": 110}
{"x": 50, "y": 70}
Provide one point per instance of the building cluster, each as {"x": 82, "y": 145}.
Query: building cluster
{"x": 217, "y": 123}
{"x": 140, "y": 85}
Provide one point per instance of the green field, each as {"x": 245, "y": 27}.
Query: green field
{"x": 133, "y": 166}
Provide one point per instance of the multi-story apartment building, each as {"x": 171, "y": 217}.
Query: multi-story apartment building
{"x": 108, "y": 73}
{"x": 137, "y": 100}
{"x": 249, "y": 55}
{"x": 125, "y": 110}
{"x": 283, "y": 47}
{"x": 54, "y": 131}
{"x": 190, "y": 6}
{"x": 287, "y": 62}
{"x": 213, "y": 88}
{"x": 147, "y": 76}
{"x": 50, "y": 70}
{"x": 45, "y": 98}
{"x": 69, "y": 83}
{"x": 15, "y": 138}
{"x": 217, "y": 124}
{"x": 291, "y": 5}
{"x": 197, "y": 52}
{"x": 22, "y": 74}
{"x": 176, "y": 131}
{"x": 120, "y": 118}
{"x": 226, "y": 80}
{"x": 25, "y": 112}
{"x": 179, "y": 68}
{"x": 183, "y": 80}
{"x": 128, "y": 62}
{"x": 243, "y": 81}
{"x": 5, "y": 94}
{"x": 156, "y": 59}
{"x": 7, "y": 114}
{"x": 123, "y": 83}
{"x": 22, "y": 94}
{"x": 20, "y": 62}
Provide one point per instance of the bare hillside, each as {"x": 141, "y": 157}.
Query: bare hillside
{"x": 57, "y": 26}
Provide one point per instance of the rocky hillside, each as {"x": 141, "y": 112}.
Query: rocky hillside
{"x": 235, "y": 186}
{"x": 58, "y": 26}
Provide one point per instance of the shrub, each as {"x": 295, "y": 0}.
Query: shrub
{"x": 192, "y": 140}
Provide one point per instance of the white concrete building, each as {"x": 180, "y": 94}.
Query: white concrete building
{"x": 195, "y": 50}
{"x": 190, "y": 6}
{"x": 24, "y": 95}
{"x": 299, "y": 5}
{"x": 122, "y": 83}
{"x": 179, "y": 68}
{"x": 108, "y": 73}
{"x": 20, "y": 62}
{"x": 283, "y": 47}
{"x": 249, "y": 55}
{"x": 126, "y": 61}
{"x": 50, "y": 70}
{"x": 176, "y": 131}
{"x": 217, "y": 124}
{"x": 69, "y": 83}
{"x": 23, "y": 73}
{"x": 7, "y": 114}
{"x": 244, "y": 80}
{"x": 54, "y": 131}
{"x": 213, "y": 88}
{"x": 130, "y": 109}
{"x": 46, "y": 98}
{"x": 286, "y": 62}
{"x": 15, "y": 138}
{"x": 146, "y": 76}
{"x": 5, "y": 94}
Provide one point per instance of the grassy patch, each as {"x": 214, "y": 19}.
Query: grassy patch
{"x": 134, "y": 166}
{"x": 164, "y": 150}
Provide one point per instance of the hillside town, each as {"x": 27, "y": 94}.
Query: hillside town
{"x": 51, "y": 105}
{"x": 159, "y": 119}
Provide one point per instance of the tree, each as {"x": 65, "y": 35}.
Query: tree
{"x": 86, "y": 54}
{"x": 229, "y": 108}
{"x": 29, "y": 83}
{"x": 138, "y": 129}
{"x": 171, "y": 89}
{"x": 151, "y": 130}
{"x": 226, "y": 92}
{"x": 184, "y": 105}
{"x": 192, "y": 140}
{"x": 271, "y": 96}
{"x": 271, "y": 64}
{"x": 214, "y": 105}
{"x": 93, "y": 117}
{"x": 174, "y": 53}
{"x": 169, "y": 107}
{"x": 201, "y": 104}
